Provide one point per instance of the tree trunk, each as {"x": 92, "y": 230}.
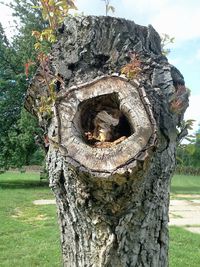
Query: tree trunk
{"x": 112, "y": 140}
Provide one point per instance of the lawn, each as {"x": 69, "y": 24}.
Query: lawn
{"x": 185, "y": 184}
{"x": 29, "y": 234}
{"x": 184, "y": 248}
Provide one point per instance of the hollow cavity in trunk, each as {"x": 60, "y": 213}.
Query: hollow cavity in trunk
{"x": 101, "y": 120}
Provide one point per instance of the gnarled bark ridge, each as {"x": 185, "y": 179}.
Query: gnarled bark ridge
{"x": 112, "y": 141}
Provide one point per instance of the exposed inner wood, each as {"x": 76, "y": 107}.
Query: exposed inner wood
{"x": 104, "y": 101}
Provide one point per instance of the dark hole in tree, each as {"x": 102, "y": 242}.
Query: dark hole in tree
{"x": 100, "y": 60}
{"x": 58, "y": 83}
{"x": 88, "y": 120}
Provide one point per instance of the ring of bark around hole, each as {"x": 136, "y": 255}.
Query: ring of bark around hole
{"x": 79, "y": 106}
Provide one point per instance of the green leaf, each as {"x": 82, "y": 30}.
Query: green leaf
{"x": 37, "y": 7}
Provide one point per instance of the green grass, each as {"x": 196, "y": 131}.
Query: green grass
{"x": 184, "y": 250}
{"x": 29, "y": 234}
{"x": 185, "y": 184}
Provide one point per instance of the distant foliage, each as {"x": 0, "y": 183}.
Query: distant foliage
{"x": 17, "y": 143}
{"x": 19, "y": 146}
{"x": 188, "y": 155}
{"x": 187, "y": 170}
{"x": 184, "y": 127}
{"x": 39, "y": 21}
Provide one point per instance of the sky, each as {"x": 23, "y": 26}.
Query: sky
{"x": 178, "y": 18}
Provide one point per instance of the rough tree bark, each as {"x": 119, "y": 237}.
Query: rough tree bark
{"x": 112, "y": 194}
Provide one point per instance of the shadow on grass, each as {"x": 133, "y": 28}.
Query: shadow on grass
{"x": 23, "y": 184}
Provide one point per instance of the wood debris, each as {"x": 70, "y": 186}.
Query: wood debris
{"x": 104, "y": 129}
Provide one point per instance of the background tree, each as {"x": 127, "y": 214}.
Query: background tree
{"x": 188, "y": 155}
{"x": 15, "y": 56}
{"x": 197, "y": 150}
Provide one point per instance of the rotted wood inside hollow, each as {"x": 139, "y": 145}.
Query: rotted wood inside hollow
{"x": 102, "y": 122}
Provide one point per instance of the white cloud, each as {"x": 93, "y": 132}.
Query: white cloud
{"x": 176, "y": 18}
{"x": 144, "y": 6}
{"x": 178, "y": 21}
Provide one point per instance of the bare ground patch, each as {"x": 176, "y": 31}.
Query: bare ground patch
{"x": 185, "y": 213}
{"x": 44, "y": 202}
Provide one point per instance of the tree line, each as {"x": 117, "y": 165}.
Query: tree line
{"x": 188, "y": 155}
